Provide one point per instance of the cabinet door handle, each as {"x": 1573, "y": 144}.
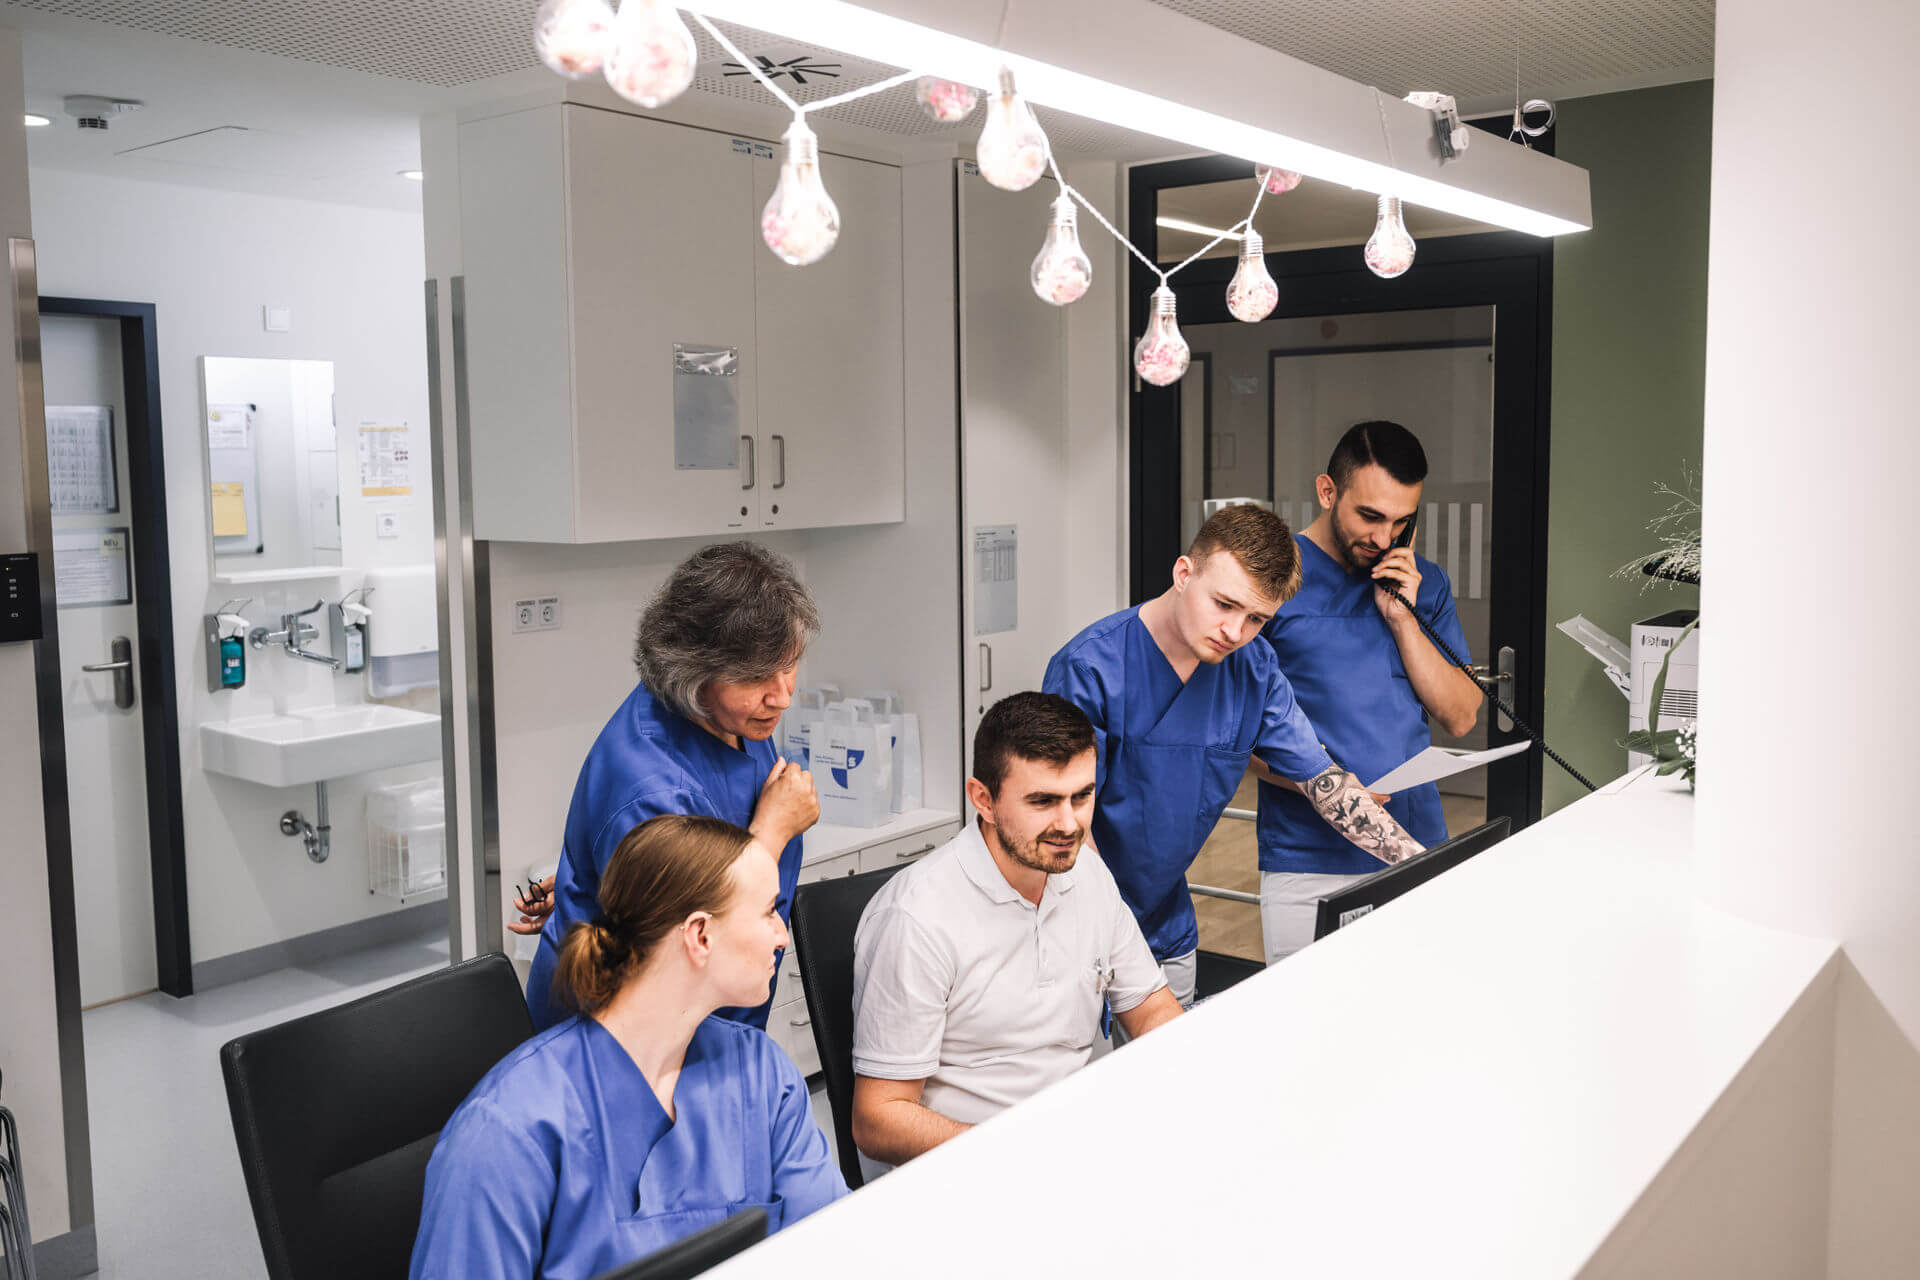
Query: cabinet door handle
{"x": 904, "y": 854}
{"x": 752, "y": 470}
{"x": 986, "y": 667}
{"x": 780, "y": 460}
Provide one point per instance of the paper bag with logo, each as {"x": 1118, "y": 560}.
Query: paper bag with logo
{"x": 852, "y": 762}
{"x": 907, "y": 786}
{"x": 808, "y": 709}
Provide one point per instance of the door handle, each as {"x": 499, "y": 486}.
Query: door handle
{"x": 1493, "y": 678}
{"x": 122, "y": 669}
{"x": 986, "y": 666}
{"x": 753, "y": 470}
{"x": 780, "y": 459}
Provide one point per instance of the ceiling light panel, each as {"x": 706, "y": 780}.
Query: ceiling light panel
{"x": 1468, "y": 47}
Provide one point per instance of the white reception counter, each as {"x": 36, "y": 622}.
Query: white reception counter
{"x": 1480, "y": 1079}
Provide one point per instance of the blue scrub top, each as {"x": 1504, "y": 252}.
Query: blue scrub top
{"x": 1171, "y": 755}
{"x": 646, "y": 762}
{"x": 562, "y": 1164}
{"x": 1346, "y": 670}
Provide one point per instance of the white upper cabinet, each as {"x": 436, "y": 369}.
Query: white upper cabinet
{"x": 832, "y": 402}
{"x": 640, "y": 366}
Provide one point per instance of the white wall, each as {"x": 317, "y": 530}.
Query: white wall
{"x": 1097, "y": 373}
{"x": 1810, "y": 340}
{"x": 29, "y": 1039}
{"x": 209, "y": 261}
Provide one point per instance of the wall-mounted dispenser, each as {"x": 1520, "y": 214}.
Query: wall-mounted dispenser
{"x": 403, "y": 643}
{"x": 225, "y": 633}
{"x": 350, "y": 618}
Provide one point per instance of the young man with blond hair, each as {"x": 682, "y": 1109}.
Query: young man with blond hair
{"x": 1181, "y": 700}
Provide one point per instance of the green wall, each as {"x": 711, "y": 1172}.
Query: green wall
{"x": 1629, "y": 372}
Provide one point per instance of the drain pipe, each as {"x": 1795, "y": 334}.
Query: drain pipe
{"x": 318, "y": 839}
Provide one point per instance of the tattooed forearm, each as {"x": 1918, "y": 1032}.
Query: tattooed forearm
{"x": 1352, "y": 811}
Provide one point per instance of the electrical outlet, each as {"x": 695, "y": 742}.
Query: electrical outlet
{"x": 539, "y": 614}
{"x": 386, "y": 525}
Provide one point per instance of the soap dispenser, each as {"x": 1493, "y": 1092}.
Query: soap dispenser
{"x": 226, "y": 632}
{"x": 350, "y": 619}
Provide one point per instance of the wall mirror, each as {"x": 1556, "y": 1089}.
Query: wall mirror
{"x": 272, "y": 466}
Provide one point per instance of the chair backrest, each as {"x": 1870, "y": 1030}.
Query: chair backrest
{"x": 825, "y": 914}
{"x": 708, "y": 1247}
{"x": 336, "y": 1113}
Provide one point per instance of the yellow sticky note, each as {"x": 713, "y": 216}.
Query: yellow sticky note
{"x": 229, "y": 509}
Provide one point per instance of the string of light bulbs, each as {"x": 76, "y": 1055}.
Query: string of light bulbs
{"x": 648, "y": 56}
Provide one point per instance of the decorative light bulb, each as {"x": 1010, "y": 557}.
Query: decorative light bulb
{"x": 1252, "y": 295}
{"x": 800, "y": 222}
{"x": 1389, "y": 248}
{"x": 1062, "y": 272}
{"x": 572, "y": 36}
{"x": 651, "y": 59}
{"x": 1161, "y": 356}
{"x": 1277, "y": 181}
{"x": 945, "y": 100}
{"x": 1013, "y": 151}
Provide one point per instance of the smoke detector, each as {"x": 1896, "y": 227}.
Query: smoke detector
{"x": 93, "y": 112}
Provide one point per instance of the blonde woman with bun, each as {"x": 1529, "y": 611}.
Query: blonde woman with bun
{"x": 641, "y": 1118}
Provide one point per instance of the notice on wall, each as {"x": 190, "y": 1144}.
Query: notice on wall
{"x": 386, "y": 460}
{"x": 90, "y": 568}
{"x": 996, "y": 578}
{"x": 229, "y": 509}
{"x": 80, "y": 469}
{"x": 229, "y": 426}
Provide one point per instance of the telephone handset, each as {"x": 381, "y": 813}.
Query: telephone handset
{"x": 1404, "y": 540}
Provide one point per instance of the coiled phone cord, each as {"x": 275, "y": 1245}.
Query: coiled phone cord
{"x": 1485, "y": 692}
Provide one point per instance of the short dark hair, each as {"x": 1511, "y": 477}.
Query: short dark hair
{"x": 734, "y": 611}
{"x": 1383, "y": 444}
{"x": 1258, "y": 540}
{"x": 1028, "y": 726}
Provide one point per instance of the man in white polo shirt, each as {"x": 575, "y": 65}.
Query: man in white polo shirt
{"x": 980, "y": 973}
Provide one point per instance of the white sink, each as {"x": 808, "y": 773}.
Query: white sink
{"x": 318, "y": 743}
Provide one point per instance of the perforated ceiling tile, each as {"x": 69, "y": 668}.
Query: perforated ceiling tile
{"x": 1468, "y": 48}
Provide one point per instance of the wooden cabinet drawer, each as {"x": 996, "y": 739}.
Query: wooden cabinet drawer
{"x": 906, "y": 849}
{"x": 792, "y": 1029}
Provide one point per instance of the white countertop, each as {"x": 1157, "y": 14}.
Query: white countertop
{"x": 1479, "y": 1079}
{"x": 826, "y": 840}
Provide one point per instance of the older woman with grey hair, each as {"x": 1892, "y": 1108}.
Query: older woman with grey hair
{"x": 717, "y": 650}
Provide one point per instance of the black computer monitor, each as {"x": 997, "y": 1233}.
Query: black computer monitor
{"x": 1385, "y": 885}
{"x": 709, "y": 1247}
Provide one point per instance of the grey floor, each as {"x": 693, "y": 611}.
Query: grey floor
{"x": 168, "y": 1196}
{"x": 169, "y": 1201}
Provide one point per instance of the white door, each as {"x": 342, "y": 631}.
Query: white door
{"x": 106, "y": 758}
{"x": 1013, "y": 431}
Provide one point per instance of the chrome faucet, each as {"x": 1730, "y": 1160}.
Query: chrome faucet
{"x": 292, "y": 633}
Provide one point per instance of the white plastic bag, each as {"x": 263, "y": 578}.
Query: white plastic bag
{"x": 907, "y": 785}
{"x": 852, "y": 762}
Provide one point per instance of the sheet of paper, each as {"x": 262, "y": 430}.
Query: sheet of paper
{"x": 386, "y": 460}
{"x": 996, "y": 579}
{"x": 1436, "y": 763}
{"x": 90, "y": 567}
{"x": 80, "y": 469}
{"x": 229, "y": 509}
{"x": 229, "y": 426}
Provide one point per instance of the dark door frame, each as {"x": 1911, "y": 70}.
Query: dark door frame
{"x": 153, "y": 613}
{"x": 1508, "y": 270}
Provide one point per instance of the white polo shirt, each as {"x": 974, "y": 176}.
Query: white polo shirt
{"x": 963, "y": 983}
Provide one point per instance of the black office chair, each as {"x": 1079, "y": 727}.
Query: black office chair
{"x": 709, "y": 1247}
{"x": 825, "y": 915}
{"x": 336, "y": 1113}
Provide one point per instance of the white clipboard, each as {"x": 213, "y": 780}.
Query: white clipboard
{"x": 1436, "y": 763}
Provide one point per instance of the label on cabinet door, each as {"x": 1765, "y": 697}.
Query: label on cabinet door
{"x": 706, "y": 408}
